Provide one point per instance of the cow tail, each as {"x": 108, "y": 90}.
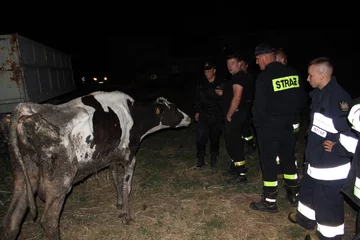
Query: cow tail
{"x": 17, "y": 157}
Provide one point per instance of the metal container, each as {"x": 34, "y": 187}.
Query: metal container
{"x": 31, "y": 72}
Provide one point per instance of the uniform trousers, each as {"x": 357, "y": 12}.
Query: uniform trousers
{"x": 208, "y": 127}
{"x": 321, "y": 205}
{"x": 277, "y": 140}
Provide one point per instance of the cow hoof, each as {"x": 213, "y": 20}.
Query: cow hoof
{"x": 128, "y": 221}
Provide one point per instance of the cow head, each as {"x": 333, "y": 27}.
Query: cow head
{"x": 154, "y": 116}
{"x": 170, "y": 115}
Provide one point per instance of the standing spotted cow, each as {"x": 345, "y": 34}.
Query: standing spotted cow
{"x": 52, "y": 147}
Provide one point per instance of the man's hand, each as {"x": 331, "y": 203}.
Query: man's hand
{"x": 219, "y": 91}
{"x": 328, "y": 145}
{"x": 228, "y": 117}
{"x": 196, "y": 116}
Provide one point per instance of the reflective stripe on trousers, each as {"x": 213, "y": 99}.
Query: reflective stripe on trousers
{"x": 329, "y": 174}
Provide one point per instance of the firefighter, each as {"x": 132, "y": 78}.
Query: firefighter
{"x": 208, "y": 114}
{"x": 321, "y": 203}
{"x": 352, "y": 187}
{"x": 248, "y": 132}
{"x": 281, "y": 56}
{"x": 234, "y": 94}
{"x": 279, "y": 97}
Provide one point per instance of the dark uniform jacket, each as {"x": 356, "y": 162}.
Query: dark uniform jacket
{"x": 328, "y": 120}
{"x": 207, "y": 102}
{"x": 279, "y": 95}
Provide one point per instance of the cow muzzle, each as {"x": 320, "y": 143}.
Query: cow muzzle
{"x": 184, "y": 122}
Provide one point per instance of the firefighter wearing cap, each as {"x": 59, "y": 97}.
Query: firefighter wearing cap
{"x": 279, "y": 97}
{"x": 321, "y": 203}
{"x": 235, "y": 94}
{"x": 208, "y": 115}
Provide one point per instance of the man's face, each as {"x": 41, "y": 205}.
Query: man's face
{"x": 210, "y": 73}
{"x": 314, "y": 77}
{"x": 233, "y": 65}
{"x": 244, "y": 66}
{"x": 260, "y": 60}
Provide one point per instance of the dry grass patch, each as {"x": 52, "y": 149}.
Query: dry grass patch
{"x": 171, "y": 199}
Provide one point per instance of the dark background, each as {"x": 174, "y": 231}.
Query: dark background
{"x": 124, "y": 54}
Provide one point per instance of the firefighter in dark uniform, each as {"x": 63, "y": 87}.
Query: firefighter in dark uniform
{"x": 281, "y": 56}
{"x": 352, "y": 185}
{"x": 235, "y": 93}
{"x": 321, "y": 203}
{"x": 208, "y": 115}
{"x": 279, "y": 96}
{"x": 248, "y": 132}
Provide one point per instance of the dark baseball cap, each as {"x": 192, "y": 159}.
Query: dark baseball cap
{"x": 264, "y": 48}
{"x": 209, "y": 65}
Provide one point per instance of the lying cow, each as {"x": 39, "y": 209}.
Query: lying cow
{"x": 52, "y": 147}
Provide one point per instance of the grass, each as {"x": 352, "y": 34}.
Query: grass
{"x": 171, "y": 199}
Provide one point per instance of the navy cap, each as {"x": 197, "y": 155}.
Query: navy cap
{"x": 264, "y": 48}
{"x": 209, "y": 65}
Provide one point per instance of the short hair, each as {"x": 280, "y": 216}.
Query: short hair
{"x": 280, "y": 52}
{"x": 234, "y": 55}
{"x": 323, "y": 64}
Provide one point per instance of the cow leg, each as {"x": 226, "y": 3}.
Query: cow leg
{"x": 12, "y": 221}
{"x": 118, "y": 181}
{"x": 55, "y": 194}
{"x": 51, "y": 215}
{"x": 129, "y": 170}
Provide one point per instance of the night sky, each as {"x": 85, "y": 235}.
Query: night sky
{"x": 120, "y": 51}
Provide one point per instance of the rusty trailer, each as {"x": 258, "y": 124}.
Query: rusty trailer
{"x": 31, "y": 71}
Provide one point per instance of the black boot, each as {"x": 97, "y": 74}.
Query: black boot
{"x": 239, "y": 176}
{"x": 200, "y": 163}
{"x": 231, "y": 169}
{"x": 292, "y": 193}
{"x": 298, "y": 218}
{"x": 213, "y": 159}
{"x": 264, "y": 205}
